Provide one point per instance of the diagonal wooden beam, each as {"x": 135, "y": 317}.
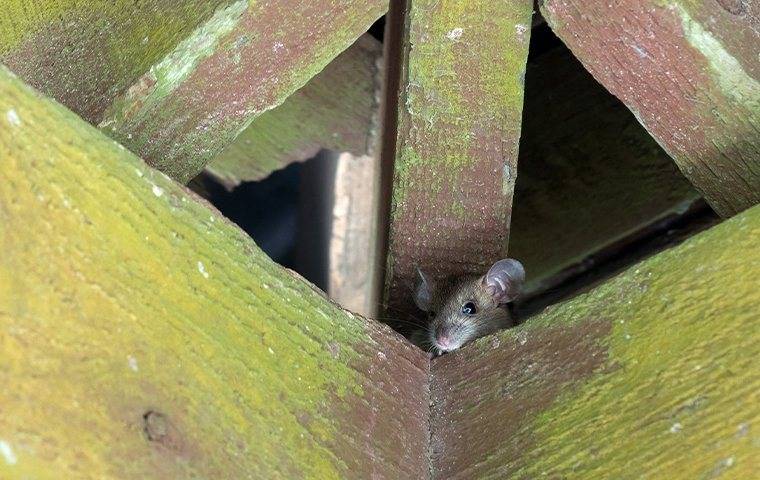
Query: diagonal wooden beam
{"x": 245, "y": 60}
{"x": 458, "y": 115}
{"x": 336, "y": 110}
{"x": 145, "y": 336}
{"x": 84, "y": 53}
{"x": 690, "y": 73}
{"x": 651, "y": 375}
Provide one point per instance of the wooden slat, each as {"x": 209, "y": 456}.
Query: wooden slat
{"x": 652, "y": 375}
{"x": 690, "y": 73}
{"x": 245, "y": 60}
{"x": 459, "y": 110}
{"x": 335, "y": 110}
{"x": 145, "y": 336}
{"x": 590, "y": 175}
{"x": 83, "y": 53}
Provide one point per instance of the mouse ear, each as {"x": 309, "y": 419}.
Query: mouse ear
{"x": 423, "y": 294}
{"x": 504, "y": 280}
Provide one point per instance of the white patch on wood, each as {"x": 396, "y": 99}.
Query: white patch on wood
{"x": 132, "y": 362}
{"x": 13, "y": 118}
{"x": 7, "y": 452}
{"x": 157, "y": 191}
{"x": 455, "y": 34}
{"x": 202, "y": 269}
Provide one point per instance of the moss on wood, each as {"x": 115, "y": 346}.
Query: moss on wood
{"x": 459, "y": 115}
{"x": 246, "y": 59}
{"x": 145, "y": 336}
{"x": 335, "y": 110}
{"x": 651, "y": 375}
{"x": 689, "y": 71}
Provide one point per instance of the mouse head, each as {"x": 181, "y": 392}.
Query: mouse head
{"x": 471, "y": 307}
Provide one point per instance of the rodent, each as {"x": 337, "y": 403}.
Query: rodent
{"x": 467, "y": 308}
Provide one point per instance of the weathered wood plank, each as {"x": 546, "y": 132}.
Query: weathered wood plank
{"x": 86, "y": 52}
{"x": 353, "y": 247}
{"x": 652, "y": 375}
{"x": 590, "y": 175}
{"x": 459, "y": 110}
{"x": 245, "y": 60}
{"x": 335, "y": 110}
{"x": 144, "y": 336}
{"x": 690, "y": 73}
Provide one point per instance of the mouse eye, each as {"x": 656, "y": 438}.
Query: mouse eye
{"x": 469, "y": 308}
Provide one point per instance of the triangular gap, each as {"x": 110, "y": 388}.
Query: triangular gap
{"x": 595, "y": 193}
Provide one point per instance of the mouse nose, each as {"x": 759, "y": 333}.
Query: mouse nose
{"x": 444, "y": 339}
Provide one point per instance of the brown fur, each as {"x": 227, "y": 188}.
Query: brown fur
{"x": 446, "y": 313}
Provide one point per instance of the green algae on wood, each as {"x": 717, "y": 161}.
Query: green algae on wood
{"x": 651, "y": 375}
{"x": 690, "y": 72}
{"x": 590, "y": 175}
{"x": 246, "y": 59}
{"x": 335, "y": 110}
{"x": 145, "y": 336}
{"x": 459, "y": 111}
{"x": 85, "y": 53}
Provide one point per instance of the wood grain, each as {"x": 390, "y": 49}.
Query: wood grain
{"x": 651, "y": 375}
{"x": 145, "y": 336}
{"x": 690, "y": 73}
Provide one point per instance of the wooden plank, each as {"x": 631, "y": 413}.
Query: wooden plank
{"x": 353, "y": 247}
{"x": 145, "y": 336}
{"x": 335, "y": 110}
{"x": 84, "y": 53}
{"x": 690, "y": 73}
{"x": 590, "y": 175}
{"x": 651, "y": 375}
{"x": 459, "y": 109}
{"x": 245, "y": 60}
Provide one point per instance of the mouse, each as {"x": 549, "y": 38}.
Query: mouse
{"x": 466, "y": 308}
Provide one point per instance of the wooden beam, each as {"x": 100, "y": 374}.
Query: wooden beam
{"x": 459, "y": 109}
{"x": 245, "y": 60}
{"x": 84, "y": 53}
{"x": 143, "y": 335}
{"x": 690, "y": 73}
{"x": 590, "y": 175}
{"x": 336, "y": 110}
{"x": 651, "y": 375}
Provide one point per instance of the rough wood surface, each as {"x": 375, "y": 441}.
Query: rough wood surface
{"x": 690, "y": 72}
{"x": 652, "y": 375}
{"x": 245, "y": 60}
{"x": 459, "y": 110}
{"x": 84, "y": 53}
{"x": 144, "y": 336}
{"x": 353, "y": 249}
{"x": 590, "y": 175}
{"x": 335, "y": 110}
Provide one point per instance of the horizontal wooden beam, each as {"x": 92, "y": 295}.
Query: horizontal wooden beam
{"x": 336, "y": 110}
{"x": 590, "y": 174}
{"x": 690, "y": 73}
{"x": 458, "y": 116}
{"x": 84, "y": 53}
{"x": 651, "y": 375}
{"x": 144, "y": 335}
{"x": 247, "y": 59}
